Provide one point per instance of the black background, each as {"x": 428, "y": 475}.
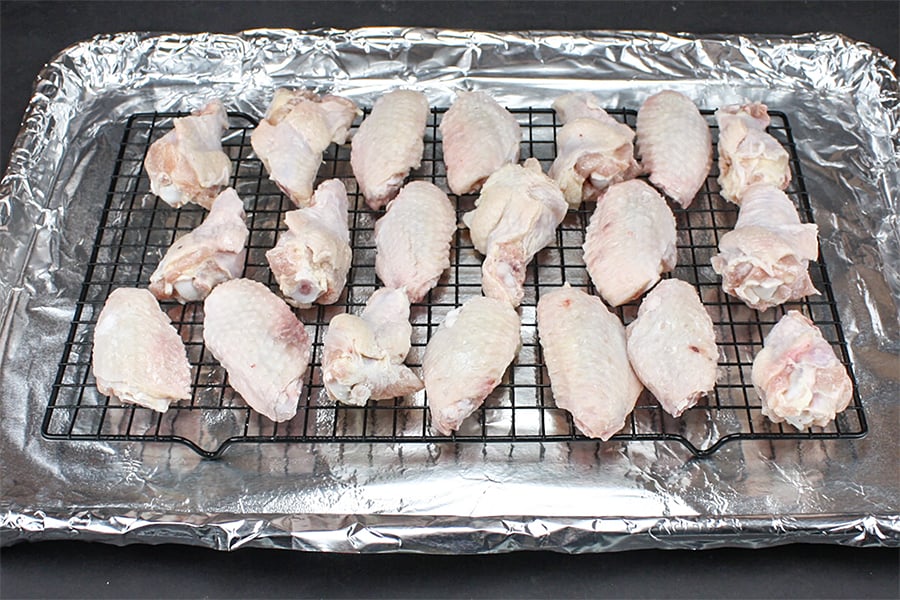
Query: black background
{"x": 32, "y": 32}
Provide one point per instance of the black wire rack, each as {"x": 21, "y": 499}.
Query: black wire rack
{"x": 136, "y": 229}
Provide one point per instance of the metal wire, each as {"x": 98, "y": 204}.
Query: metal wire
{"x": 136, "y": 229}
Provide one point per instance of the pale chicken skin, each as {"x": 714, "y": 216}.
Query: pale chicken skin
{"x": 674, "y": 144}
{"x": 630, "y": 241}
{"x": 412, "y": 240}
{"x": 363, "y": 355}
{"x": 515, "y": 216}
{"x": 138, "y": 356}
{"x": 478, "y": 137}
{"x": 466, "y": 357}
{"x": 311, "y": 259}
{"x": 205, "y": 257}
{"x": 585, "y": 352}
{"x": 264, "y": 348}
{"x": 298, "y": 128}
{"x": 747, "y": 154}
{"x": 188, "y": 164}
{"x": 798, "y": 376}
{"x": 672, "y": 346}
{"x": 595, "y": 150}
{"x": 580, "y": 105}
{"x": 388, "y": 144}
{"x": 764, "y": 260}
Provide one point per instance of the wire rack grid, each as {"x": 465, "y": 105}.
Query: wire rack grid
{"x": 136, "y": 229}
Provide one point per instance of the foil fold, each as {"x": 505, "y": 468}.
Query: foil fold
{"x": 844, "y": 103}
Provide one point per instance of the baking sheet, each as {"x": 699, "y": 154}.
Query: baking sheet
{"x": 843, "y": 102}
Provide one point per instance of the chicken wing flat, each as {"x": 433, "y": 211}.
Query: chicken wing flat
{"x": 672, "y": 346}
{"x": 466, "y": 358}
{"x": 264, "y": 348}
{"x": 675, "y": 145}
{"x": 629, "y": 242}
{"x": 479, "y": 136}
{"x": 388, "y": 144}
{"x": 138, "y": 356}
{"x": 584, "y": 349}
{"x": 413, "y": 239}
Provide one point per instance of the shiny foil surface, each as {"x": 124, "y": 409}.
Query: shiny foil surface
{"x": 843, "y": 103}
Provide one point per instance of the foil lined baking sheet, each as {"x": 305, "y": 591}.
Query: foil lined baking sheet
{"x": 843, "y": 101}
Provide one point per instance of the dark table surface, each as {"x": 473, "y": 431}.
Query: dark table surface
{"x": 32, "y": 32}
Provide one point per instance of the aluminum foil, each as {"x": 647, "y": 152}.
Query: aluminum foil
{"x": 842, "y": 98}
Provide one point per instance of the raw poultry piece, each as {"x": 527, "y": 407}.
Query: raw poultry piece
{"x": 388, "y": 144}
{"x": 747, "y": 154}
{"x": 205, "y": 257}
{"x": 674, "y": 144}
{"x": 138, "y": 356}
{"x": 580, "y": 105}
{"x": 584, "y": 349}
{"x": 466, "y": 357}
{"x": 188, "y": 164}
{"x": 764, "y": 260}
{"x": 412, "y": 240}
{"x": 479, "y": 136}
{"x": 261, "y": 344}
{"x": 363, "y": 355}
{"x": 595, "y": 150}
{"x": 298, "y": 128}
{"x": 672, "y": 346}
{"x": 629, "y": 242}
{"x": 797, "y": 375}
{"x": 515, "y": 216}
{"x": 311, "y": 259}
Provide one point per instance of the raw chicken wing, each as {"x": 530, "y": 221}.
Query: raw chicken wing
{"x": 674, "y": 144}
{"x": 672, "y": 346}
{"x": 764, "y": 260}
{"x": 581, "y": 105}
{"x": 311, "y": 259}
{"x": 629, "y": 242}
{"x": 466, "y": 358}
{"x": 261, "y": 344}
{"x": 595, "y": 150}
{"x": 479, "y": 136}
{"x": 747, "y": 154}
{"x": 210, "y": 254}
{"x": 188, "y": 164}
{"x": 138, "y": 356}
{"x": 298, "y": 128}
{"x": 413, "y": 239}
{"x": 515, "y": 216}
{"x": 584, "y": 348}
{"x": 388, "y": 144}
{"x": 797, "y": 375}
{"x": 363, "y": 355}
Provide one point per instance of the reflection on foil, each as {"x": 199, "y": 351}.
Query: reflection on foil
{"x": 442, "y": 498}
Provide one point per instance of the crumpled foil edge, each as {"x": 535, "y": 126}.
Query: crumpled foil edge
{"x": 355, "y": 534}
